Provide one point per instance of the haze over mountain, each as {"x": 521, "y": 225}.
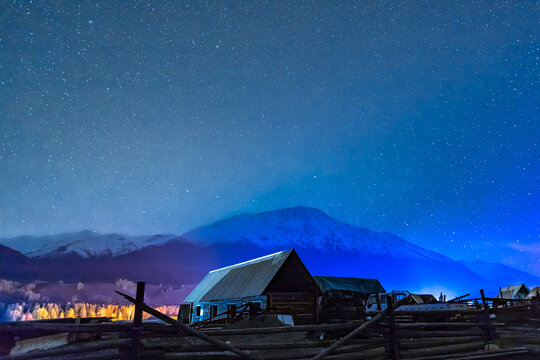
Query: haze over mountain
{"x": 326, "y": 246}
{"x": 502, "y": 274}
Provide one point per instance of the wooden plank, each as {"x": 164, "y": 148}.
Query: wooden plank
{"x": 444, "y": 349}
{"x": 476, "y": 355}
{"x": 284, "y": 329}
{"x": 206, "y": 355}
{"x": 443, "y": 325}
{"x": 40, "y": 343}
{"x": 72, "y": 349}
{"x": 61, "y": 327}
{"x": 413, "y": 333}
{"x": 416, "y": 343}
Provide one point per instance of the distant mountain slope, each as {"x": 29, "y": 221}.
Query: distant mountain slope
{"x": 85, "y": 243}
{"x": 502, "y": 274}
{"x": 326, "y": 246}
{"x": 310, "y": 229}
{"x": 177, "y": 262}
{"x": 12, "y": 262}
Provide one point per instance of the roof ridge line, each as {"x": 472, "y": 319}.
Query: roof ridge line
{"x": 248, "y": 261}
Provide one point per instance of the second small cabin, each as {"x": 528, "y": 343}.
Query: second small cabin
{"x": 345, "y": 297}
{"x": 513, "y": 292}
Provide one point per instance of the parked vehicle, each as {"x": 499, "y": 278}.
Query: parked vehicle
{"x": 417, "y": 302}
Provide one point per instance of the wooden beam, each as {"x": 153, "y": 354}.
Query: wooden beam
{"x": 188, "y": 330}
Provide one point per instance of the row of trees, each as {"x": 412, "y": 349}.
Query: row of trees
{"x": 39, "y": 311}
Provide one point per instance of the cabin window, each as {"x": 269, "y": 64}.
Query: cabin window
{"x": 213, "y": 311}
{"x": 231, "y": 310}
{"x": 198, "y": 311}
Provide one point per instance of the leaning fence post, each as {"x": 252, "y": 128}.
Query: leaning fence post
{"x": 394, "y": 345}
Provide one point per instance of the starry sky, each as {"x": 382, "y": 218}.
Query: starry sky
{"x": 415, "y": 117}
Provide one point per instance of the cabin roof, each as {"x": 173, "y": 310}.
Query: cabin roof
{"x": 515, "y": 288}
{"x": 534, "y": 292}
{"x": 367, "y": 286}
{"x": 249, "y": 278}
{"x": 509, "y": 292}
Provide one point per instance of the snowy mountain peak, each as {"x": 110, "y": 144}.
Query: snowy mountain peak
{"x": 84, "y": 243}
{"x": 308, "y": 228}
{"x": 301, "y": 227}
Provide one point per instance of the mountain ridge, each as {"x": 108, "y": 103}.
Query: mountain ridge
{"x": 85, "y": 243}
{"x": 323, "y": 232}
{"x": 327, "y": 247}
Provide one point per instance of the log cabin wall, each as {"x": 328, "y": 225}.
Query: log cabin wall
{"x": 302, "y": 306}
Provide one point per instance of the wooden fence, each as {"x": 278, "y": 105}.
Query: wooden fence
{"x": 486, "y": 332}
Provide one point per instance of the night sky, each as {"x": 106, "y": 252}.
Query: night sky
{"x": 418, "y": 118}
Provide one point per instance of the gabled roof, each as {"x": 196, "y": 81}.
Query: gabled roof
{"x": 366, "y": 286}
{"x": 249, "y": 278}
{"x": 534, "y": 292}
{"x": 511, "y": 292}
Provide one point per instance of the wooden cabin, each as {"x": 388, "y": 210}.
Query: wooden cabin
{"x": 345, "y": 297}
{"x": 514, "y": 292}
{"x": 278, "y": 283}
{"x": 534, "y": 293}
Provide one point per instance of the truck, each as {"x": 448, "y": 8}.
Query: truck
{"x": 417, "y": 302}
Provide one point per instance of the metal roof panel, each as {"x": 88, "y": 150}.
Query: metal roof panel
{"x": 249, "y": 278}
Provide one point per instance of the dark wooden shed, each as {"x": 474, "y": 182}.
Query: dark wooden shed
{"x": 345, "y": 297}
{"x": 278, "y": 283}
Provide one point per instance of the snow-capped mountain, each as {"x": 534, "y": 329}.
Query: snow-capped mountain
{"x": 326, "y": 246}
{"x": 311, "y": 229}
{"x": 84, "y": 243}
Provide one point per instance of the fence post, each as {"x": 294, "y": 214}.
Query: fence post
{"x": 394, "y": 344}
{"x": 489, "y": 329}
{"x": 133, "y": 352}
